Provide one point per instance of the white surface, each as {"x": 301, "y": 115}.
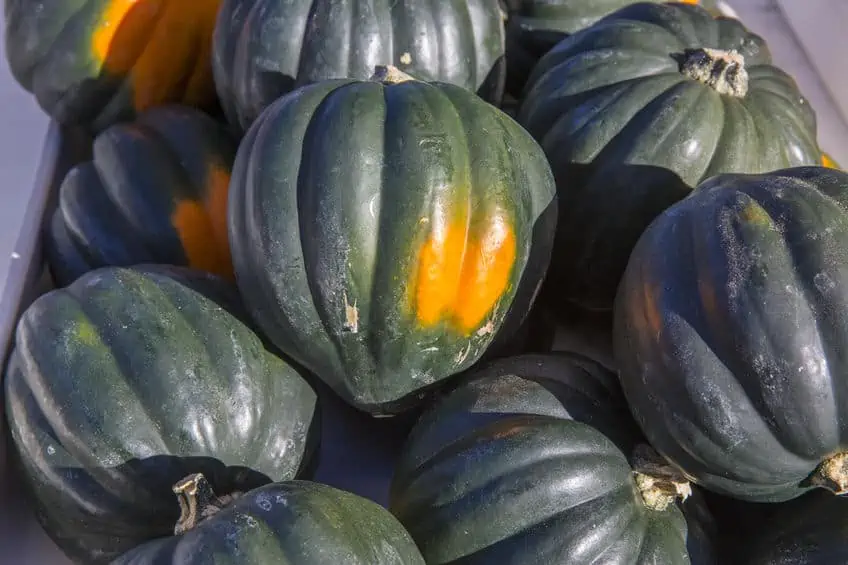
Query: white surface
{"x": 22, "y": 129}
{"x": 819, "y": 26}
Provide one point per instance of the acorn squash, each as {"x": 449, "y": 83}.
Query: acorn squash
{"x": 297, "y": 522}
{"x": 266, "y": 48}
{"x": 730, "y": 330}
{"x": 155, "y": 191}
{"x": 635, "y": 111}
{"x": 127, "y": 381}
{"x": 524, "y": 462}
{"x": 535, "y": 26}
{"x": 386, "y": 233}
{"x": 807, "y": 531}
{"x": 93, "y": 63}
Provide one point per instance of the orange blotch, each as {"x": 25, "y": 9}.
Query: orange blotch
{"x": 461, "y": 274}
{"x": 693, "y": 2}
{"x": 439, "y": 272}
{"x": 216, "y": 205}
{"x": 164, "y": 46}
{"x": 202, "y": 226}
{"x": 828, "y": 162}
{"x": 485, "y": 274}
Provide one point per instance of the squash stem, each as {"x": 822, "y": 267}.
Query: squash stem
{"x": 659, "y": 483}
{"x": 388, "y": 74}
{"x": 197, "y": 502}
{"x": 724, "y": 71}
{"x": 832, "y": 474}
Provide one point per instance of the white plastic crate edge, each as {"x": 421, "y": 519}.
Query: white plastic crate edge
{"x": 26, "y": 263}
{"x": 21, "y": 539}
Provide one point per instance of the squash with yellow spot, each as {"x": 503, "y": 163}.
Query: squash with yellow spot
{"x": 386, "y": 232}
{"x": 154, "y": 192}
{"x": 92, "y": 63}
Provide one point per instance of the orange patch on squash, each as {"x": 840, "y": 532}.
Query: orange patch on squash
{"x": 440, "y": 272}
{"x": 202, "y": 226}
{"x": 216, "y": 205}
{"x": 828, "y": 162}
{"x": 164, "y": 46}
{"x": 485, "y": 275}
{"x": 462, "y": 274}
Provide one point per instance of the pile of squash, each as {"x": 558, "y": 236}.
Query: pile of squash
{"x": 398, "y": 208}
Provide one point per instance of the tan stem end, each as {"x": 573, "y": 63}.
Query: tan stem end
{"x": 197, "y": 502}
{"x": 659, "y": 483}
{"x": 724, "y": 71}
{"x": 832, "y": 474}
{"x": 389, "y": 74}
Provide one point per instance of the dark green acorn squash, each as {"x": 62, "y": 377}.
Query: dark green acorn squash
{"x": 386, "y": 233}
{"x": 635, "y": 111}
{"x": 535, "y": 26}
{"x": 93, "y": 63}
{"x": 743, "y": 522}
{"x": 296, "y": 522}
{"x": 266, "y": 48}
{"x": 507, "y": 468}
{"x": 154, "y": 192}
{"x": 127, "y": 381}
{"x": 811, "y": 530}
{"x": 730, "y": 330}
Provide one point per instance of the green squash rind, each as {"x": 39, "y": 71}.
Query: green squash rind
{"x": 297, "y": 522}
{"x": 534, "y": 27}
{"x": 455, "y": 41}
{"x": 807, "y": 531}
{"x": 311, "y": 242}
{"x": 497, "y": 471}
{"x": 729, "y": 331}
{"x": 628, "y": 135}
{"x": 127, "y": 381}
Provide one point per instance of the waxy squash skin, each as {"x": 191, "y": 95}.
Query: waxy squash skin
{"x": 523, "y": 463}
{"x": 535, "y": 26}
{"x": 93, "y": 63}
{"x": 385, "y": 233}
{"x": 155, "y": 191}
{"x": 294, "y": 522}
{"x": 807, "y": 531}
{"x": 266, "y": 48}
{"x": 730, "y": 332}
{"x": 127, "y": 381}
{"x": 633, "y": 114}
